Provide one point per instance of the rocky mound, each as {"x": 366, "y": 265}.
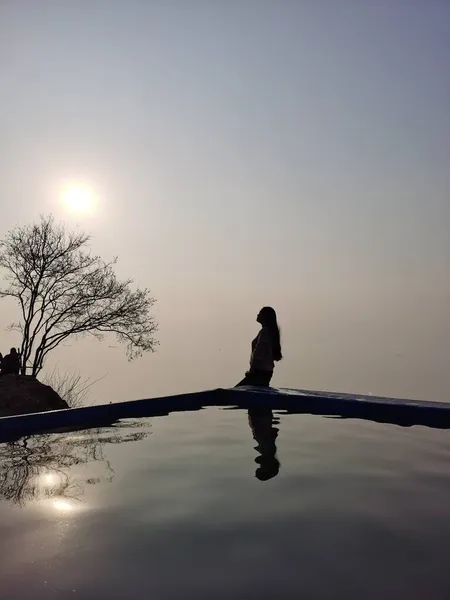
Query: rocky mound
{"x": 21, "y": 394}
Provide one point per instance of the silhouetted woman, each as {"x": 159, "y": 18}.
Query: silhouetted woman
{"x": 266, "y": 350}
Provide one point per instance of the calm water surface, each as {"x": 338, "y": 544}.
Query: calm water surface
{"x": 192, "y": 506}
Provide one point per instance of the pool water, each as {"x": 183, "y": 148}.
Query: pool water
{"x": 218, "y": 504}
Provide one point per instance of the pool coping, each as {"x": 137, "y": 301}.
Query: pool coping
{"x": 400, "y": 412}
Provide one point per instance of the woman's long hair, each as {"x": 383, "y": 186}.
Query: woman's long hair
{"x": 269, "y": 320}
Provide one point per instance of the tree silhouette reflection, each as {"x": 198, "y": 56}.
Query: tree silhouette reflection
{"x": 42, "y": 466}
{"x": 261, "y": 421}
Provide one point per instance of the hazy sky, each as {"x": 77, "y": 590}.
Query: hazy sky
{"x": 242, "y": 153}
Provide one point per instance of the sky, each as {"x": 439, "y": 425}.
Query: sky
{"x": 240, "y": 154}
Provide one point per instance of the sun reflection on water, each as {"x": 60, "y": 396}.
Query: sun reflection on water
{"x": 48, "y": 479}
{"x": 63, "y": 505}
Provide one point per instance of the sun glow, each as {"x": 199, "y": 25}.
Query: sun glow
{"x": 48, "y": 479}
{"x": 78, "y": 198}
{"x": 63, "y": 505}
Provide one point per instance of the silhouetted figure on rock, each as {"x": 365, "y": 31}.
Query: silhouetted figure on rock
{"x": 10, "y": 363}
{"x": 266, "y": 350}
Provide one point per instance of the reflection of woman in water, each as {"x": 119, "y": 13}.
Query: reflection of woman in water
{"x": 266, "y": 350}
{"x": 260, "y": 420}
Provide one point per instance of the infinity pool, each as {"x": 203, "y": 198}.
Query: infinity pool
{"x": 219, "y": 504}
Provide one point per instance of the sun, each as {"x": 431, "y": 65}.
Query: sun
{"x": 78, "y": 198}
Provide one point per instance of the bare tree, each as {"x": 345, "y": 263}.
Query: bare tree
{"x": 63, "y": 290}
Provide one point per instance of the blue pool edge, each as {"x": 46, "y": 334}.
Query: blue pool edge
{"x": 383, "y": 410}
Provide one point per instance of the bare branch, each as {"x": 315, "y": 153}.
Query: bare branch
{"x": 71, "y": 387}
